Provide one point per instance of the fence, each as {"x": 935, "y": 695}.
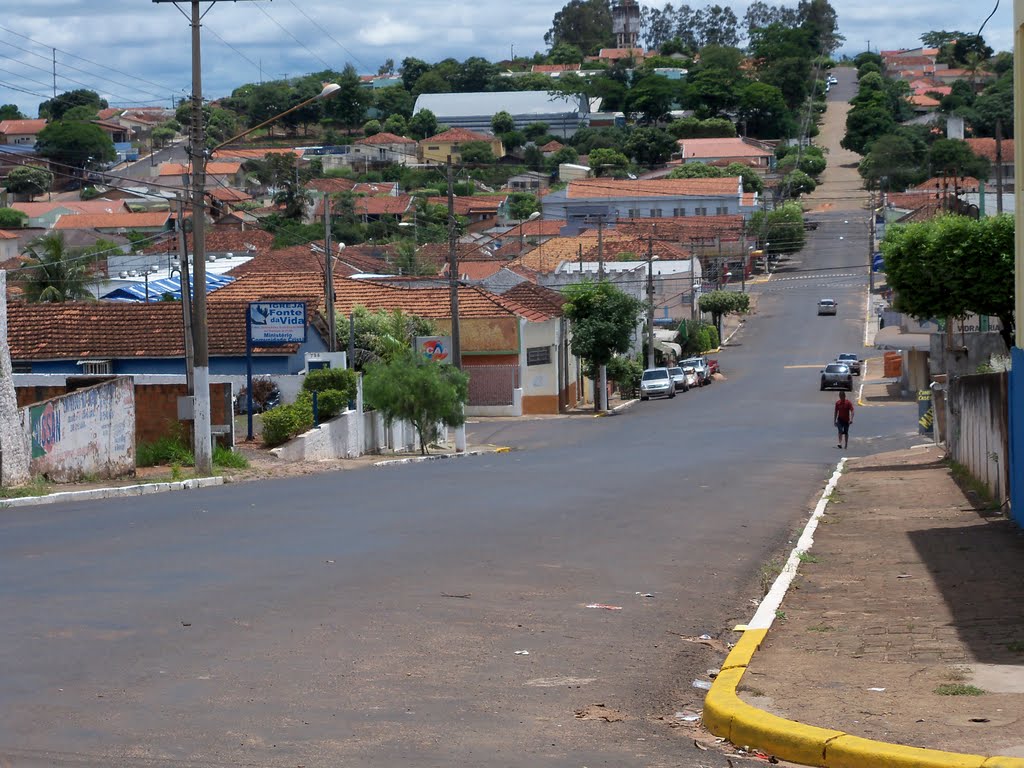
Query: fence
{"x": 89, "y": 432}
{"x": 978, "y": 435}
{"x": 492, "y": 384}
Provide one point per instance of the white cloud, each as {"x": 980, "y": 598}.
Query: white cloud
{"x": 383, "y": 30}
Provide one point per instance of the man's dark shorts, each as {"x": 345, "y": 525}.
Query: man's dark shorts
{"x": 843, "y": 426}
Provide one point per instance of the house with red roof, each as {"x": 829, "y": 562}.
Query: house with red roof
{"x": 20, "y": 132}
{"x": 382, "y": 149}
{"x": 987, "y": 148}
{"x": 722, "y": 152}
{"x": 436, "y": 149}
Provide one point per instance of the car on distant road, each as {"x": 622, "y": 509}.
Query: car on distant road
{"x": 656, "y": 382}
{"x": 832, "y": 80}
{"x": 679, "y": 379}
{"x": 827, "y": 306}
{"x": 692, "y": 380}
{"x": 850, "y": 359}
{"x": 836, "y": 376}
{"x": 700, "y": 365}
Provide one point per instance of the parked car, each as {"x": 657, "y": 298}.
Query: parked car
{"x": 700, "y": 365}
{"x": 692, "y": 380}
{"x": 832, "y": 80}
{"x": 713, "y": 367}
{"x": 849, "y": 359}
{"x": 679, "y": 378}
{"x": 272, "y": 401}
{"x": 656, "y": 382}
{"x": 836, "y": 376}
{"x": 827, "y": 306}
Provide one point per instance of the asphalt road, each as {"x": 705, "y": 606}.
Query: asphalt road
{"x": 372, "y": 618}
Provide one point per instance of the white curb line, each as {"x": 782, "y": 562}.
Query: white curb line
{"x": 765, "y": 614}
{"x": 112, "y": 493}
{"x": 433, "y": 457}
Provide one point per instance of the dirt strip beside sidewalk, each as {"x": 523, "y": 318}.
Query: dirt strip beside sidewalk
{"x": 904, "y": 624}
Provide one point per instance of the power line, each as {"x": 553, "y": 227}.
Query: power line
{"x": 318, "y": 26}
{"x": 293, "y": 37}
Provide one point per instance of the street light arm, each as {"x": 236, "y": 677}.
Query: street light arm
{"x": 329, "y": 88}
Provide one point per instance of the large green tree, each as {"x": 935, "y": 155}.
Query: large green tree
{"x": 650, "y": 146}
{"x": 721, "y": 303}
{"x": 10, "y": 112}
{"x": 603, "y": 320}
{"x": 28, "y": 180}
{"x": 11, "y": 218}
{"x": 348, "y": 104}
{"x": 423, "y": 393}
{"x": 783, "y": 228}
{"x": 763, "y": 112}
{"x": 586, "y": 24}
{"x": 894, "y": 163}
{"x": 54, "y": 109}
{"x": 952, "y": 266}
{"x": 78, "y": 145}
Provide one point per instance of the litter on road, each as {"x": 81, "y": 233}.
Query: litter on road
{"x": 704, "y": 685}
{"x": 522, "y": 653}
{"x": 605, "y": 607}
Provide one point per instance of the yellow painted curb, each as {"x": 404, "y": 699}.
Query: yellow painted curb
{"x": 728, "y": 716}
{"x": 502, "y": 449}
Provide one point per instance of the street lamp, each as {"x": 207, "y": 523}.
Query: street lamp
{"x": 532, "y": 217}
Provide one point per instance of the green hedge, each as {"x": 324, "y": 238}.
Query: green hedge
{"x": 335, "y": 388}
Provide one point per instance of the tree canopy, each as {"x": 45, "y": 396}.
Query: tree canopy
{"x": 79, "y": 145}
{"x": 585, "y": 24}
{"x": 603, "y": 320}
{"x": 54, "y": 272}
{"x": 28, "y": 180}
{"x": 952, "y": 266}
{"x": 54, "y": 109}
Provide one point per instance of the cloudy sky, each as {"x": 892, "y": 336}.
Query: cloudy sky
{"x": 137, "y": 52}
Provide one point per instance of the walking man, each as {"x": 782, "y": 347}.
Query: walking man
{"x": 843, "y": 418}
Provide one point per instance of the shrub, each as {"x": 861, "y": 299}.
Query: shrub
{"x": 330, "y": 403}
{"x": 713, "y": 339}
{"x": 323, "y": 379}
{"x": 285, "y": 421}
{"x": 170, "y": 449}
{"x": 626, "y": 372}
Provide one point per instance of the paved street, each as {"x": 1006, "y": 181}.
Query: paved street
{"x": 373, "y": 617}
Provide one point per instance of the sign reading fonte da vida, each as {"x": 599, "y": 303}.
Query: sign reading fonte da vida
{"x": 435, "y": 349}
{"x": 277, "y": 322}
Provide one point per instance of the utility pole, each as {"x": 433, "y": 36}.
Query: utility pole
{"x": 186, "y": 300}
{"x": 871, "y": 243}
{"x": 332, "y": 336}
{"x": 54, "y": 72}
{"x": 600, "y": 248}
{"x": 650, "y": 301}
{"x": 453, "y": 270}
{"x": 999, "y": 166}
{"x": 203, "y": 439}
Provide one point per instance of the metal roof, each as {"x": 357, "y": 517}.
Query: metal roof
{"x": 163, "y": 286}
{"x": 445, "y": 105}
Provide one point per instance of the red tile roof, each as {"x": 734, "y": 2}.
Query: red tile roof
{"x": 457, "y": 135}
{"x": 375, "y": 189}
{"x": 228, "y": 194}
{"x": 472, "y": 204}
{"x": 101, "y": 329}
{"x": 681, "y": 229}
{"x": 112, "y": 220}
{"x": 537, "y": 228}
{"x": 949, "y": 183}
{"x": 621, "y": 53}
{"x": 552, "y": 146}
{"x": 478, "y": 270}
{"x": 212, "y": 169}
{"x": 330, "y": 186}
{"x": 21, "y": 127}
{"x": 585, "y": 188}
{"x": 549, "y": 68}
{"x": 382, "y": 206}
{"x": 34, "y": 210}
{"x": 725, "y": 147}
{"x": 537, "y": 297}
{"x": 220, "y": 240}
{"x": 987, "y": 148}
{"x": 385, "y": 138}
{"x": 252, "y": 153}
{"x": 5, "y": 235}
{"x": 920, "y": 100}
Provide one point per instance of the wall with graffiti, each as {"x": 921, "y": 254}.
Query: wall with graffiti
{"x": 86, "y": 433}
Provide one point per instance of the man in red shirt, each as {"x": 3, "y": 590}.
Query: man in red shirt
{"x": 843, "y": 418}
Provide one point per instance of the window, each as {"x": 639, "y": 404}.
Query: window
{"x": 633, "y": 213}
{"x": 538, "y": 355}
{"x": 722, "y": 210}
{"x": 700, "y": 211}
{"x": 678, "y": 211}
{"x": 655, "y": 213}
{"x": 20, "y": 367}
{"x": 96, "y": 367}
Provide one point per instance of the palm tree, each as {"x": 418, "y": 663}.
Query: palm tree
{"x": 55, "y": 273}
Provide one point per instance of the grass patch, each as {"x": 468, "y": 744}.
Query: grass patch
{"x": 768, "y": 573}
{"x": 970, "y": 484}
{"x": 167, "y": 450}
{"x": 958, "y": 689}
{"x": 37, "y": 486}
{"x": 834, "y": 497}
{"x": 229, "y": 459}
{"x": 780, "y": 614}
{"x": 821, "y": 628}
{"x": 807, "y": 557}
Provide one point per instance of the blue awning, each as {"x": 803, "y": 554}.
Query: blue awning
{"x": 165, "y": 286}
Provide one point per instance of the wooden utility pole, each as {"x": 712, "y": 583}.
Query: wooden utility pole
{"x": 453, "y": 270}
{"x": 332, "y": 336}
{"x": 999, "y": 166}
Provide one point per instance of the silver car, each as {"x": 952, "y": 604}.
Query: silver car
{"x": 827, "y": 306}
{"x": 850, "y": 359}
{"x": 679, "y": 378}
{"x": 836, "y": 376}
{"x": 656, "y": 382}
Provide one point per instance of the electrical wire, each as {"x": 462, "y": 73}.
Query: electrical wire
{"x": 329, "y": 35}
{"x": 293, "y": 37}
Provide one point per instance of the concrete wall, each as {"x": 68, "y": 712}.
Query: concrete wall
{"x": 977, "y": 428}
{"x": 89, "y": 432}
{"x": 962, "y": 354}
{"x": 156, "y": 401}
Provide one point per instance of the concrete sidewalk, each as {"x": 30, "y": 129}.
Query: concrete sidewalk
{"x": 902, "y": 626}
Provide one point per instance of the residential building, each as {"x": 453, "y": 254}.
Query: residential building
{"x": 116, "y": 223}
{"x": 473, "y": 111}
{"x": 722, "y": 152}
{"x": 987, "y": 148}
{"x": 528, "y": 181}
{"x": 8, "y": 246}
{"x": 437, "y": 149}
{"x": 20, "y": 132}
{"x": 222, "y": 173}
{"x": 382, "y": 149}
{"x": 478, "y": 209}
{"x": 610, "y": 199}
{"x": 44, "y": 215}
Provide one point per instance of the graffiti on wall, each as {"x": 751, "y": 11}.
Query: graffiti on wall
{"x": 89, "y": 432}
